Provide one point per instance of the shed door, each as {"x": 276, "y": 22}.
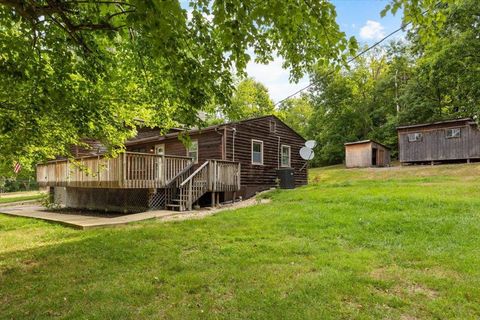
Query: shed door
{"x": 381, "y": 158}
{"x": 374, "y": 156}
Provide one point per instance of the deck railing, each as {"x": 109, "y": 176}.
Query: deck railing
{"x": 129, "y": 170}
{"x": 224, "y": 175}
{"x": 211, "y": 176}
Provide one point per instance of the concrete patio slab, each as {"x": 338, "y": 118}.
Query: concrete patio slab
{"x": 81, "y": 221}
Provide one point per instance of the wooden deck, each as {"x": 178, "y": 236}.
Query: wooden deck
{"x": 129, "y": 170}
{"x": 173, "y": 181}
{"x": 133, "y": 170}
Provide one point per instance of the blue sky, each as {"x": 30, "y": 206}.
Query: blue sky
{"x": 359, "y": 18}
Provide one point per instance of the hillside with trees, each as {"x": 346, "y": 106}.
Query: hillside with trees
{"x": 71, "y": 70}
{"x": 428, "y": 77}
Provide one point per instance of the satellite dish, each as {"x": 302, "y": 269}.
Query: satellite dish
{"x": 202, "y": 115}
{"x": 306, "y": 153}
{"x": 311, "y": 144}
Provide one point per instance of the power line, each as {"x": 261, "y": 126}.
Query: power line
{"x": 403, "y": 26}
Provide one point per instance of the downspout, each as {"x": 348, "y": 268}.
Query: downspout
{"x": 223, "y": 141}
{"x": 224, "y": 155}
{"x": 278, "y": 153}
{"x": 234, "y": 132}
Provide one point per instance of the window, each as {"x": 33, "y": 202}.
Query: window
{"x": 257, "y": 152}
{"x": 453, "y": 133}
{"x": 273, "y": 126}
{"x": 285, "y": 160}
{"x": 413, "y": 137}
{"x": 193, "y": 150}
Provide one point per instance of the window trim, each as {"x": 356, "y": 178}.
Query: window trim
{"x": 289, "y": 165}
{"x": 453, "y": 137}
{"x": 261, "y": 152}
{"x": 417, "y": 134}
{"x": 188, "y": 149}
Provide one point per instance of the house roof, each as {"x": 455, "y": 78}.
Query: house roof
{"x": 154, "y": 135}
{"x": 435, "y": 123}
{"x": 366, "y": 141}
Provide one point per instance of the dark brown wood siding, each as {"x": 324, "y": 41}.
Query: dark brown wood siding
{"x": 234, "y": 142}
{"x": 260, "y": 177}
{"x": 435, "y": 146}
{"x": 209, "y": 145}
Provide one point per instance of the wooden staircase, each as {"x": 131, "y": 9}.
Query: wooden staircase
{"x": 212, "y": 176}
{"x": 190, "y": 189}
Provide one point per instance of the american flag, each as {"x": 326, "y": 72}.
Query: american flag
{"x": 17, "y": 167}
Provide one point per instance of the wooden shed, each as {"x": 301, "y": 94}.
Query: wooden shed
{"x": 366, "y": 153}
{"x": 455, "y": 140}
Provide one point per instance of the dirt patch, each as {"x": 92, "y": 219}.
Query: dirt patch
{"x": 387, "y": 273}
{"x": 417, "y": 288}
{"x": 403, "y": 287}
{"x": 441, "y": 273}
{"x": 30, "y": 264}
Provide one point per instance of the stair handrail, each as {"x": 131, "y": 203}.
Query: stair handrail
{"x": 187, "y": 168}
{"x": 194, "y": 174}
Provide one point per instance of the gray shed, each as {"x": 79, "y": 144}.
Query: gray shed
{"x": 366, "y": 153}
{"x": 443, "y": 141}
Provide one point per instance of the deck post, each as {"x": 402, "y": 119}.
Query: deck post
{"x": 190, "y": 195}
{"x": 98, "y": 170}
{"x": 239, "y": 174}
{"x": 164, "y": 171}
{"x": 123, "y": 178}
{"x": 214, "y": 175}
{"x": 234, "y": 196}
{"x": 67, "y": 178}
{"x": 213, "y": 199}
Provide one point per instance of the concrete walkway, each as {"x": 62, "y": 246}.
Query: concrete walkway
{"x": 86, "y": 222}
{"x": 81, "y": 221}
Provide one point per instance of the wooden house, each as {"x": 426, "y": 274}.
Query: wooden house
{"x": 437, "y": 142}
{"x": 216, "y": 164}
{"x": 366, "y": 153}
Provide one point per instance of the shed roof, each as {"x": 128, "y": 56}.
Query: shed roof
{"x": 435, "y": 123}
{"x": 365, "y": 141}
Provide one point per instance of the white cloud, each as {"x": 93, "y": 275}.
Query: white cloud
{"x": 372, "y": 30}
{"x": 275, "y": 78}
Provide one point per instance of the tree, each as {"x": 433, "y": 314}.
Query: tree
{"x": 434, "y": 76}
{"x": 296, "y": 112}
{"x": 75, "y": 69}
{"x": 250, "y": 99}
{"x": 446, "y": 82}
{"x": 358, "y": 103}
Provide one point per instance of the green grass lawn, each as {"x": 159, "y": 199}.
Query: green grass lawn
{"x": 18, "y": 196}
{"x": 400, "y": 243}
